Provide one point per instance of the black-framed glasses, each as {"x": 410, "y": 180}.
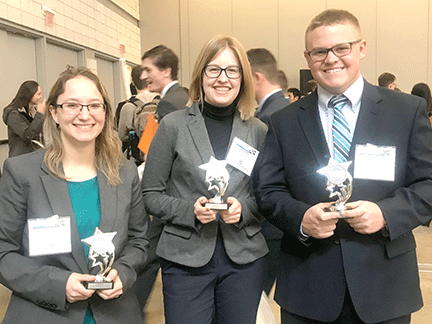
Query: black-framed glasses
{"x": 340, "y": 50}
{"x": 74, "y": 108}
{"x": 214, "y": 71}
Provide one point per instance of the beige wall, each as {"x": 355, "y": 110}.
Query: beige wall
{"x": 398, "y": 32}
{"x": 90, "y": 23}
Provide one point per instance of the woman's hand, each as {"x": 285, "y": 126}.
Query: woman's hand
{"x": 233, "y": 214}
{"x": 117, "y": 290}
{"x": 41, "y": 107}
{"x": 204, "y": 214}
{"x": 75, "y": 290}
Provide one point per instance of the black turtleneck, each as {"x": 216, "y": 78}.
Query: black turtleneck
{"x": 218, "y": 121}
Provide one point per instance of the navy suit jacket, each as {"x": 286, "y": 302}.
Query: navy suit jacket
{"x": 275, "y": 102}
{"x": 380, "y": 271}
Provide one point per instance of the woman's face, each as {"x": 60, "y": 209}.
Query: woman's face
{"x": 37, "y": 97}
{"x": 222, "y": 91}
{"x": 79, "y": 126}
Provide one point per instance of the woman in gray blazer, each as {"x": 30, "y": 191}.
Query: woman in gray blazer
{"x": 79, "y": 191}
{"x": 212, "y": 261}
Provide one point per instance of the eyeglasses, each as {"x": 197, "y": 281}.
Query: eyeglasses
{"x": 73, "y": 108}
{"x": 340, "y": 50}
{"x": 214, "y": 71}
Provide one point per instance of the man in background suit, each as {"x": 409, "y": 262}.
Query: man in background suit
{"x": 270, "y": 97}
{"x": 361, "y": 268}
{"x": 160, "y": 69}
{"x": 268, "y": 92}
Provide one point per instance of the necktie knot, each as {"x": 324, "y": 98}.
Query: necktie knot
{"x": 337, "y": 102}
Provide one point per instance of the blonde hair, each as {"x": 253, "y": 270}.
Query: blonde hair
{"x": 245, "y": 99}
{"x": 108, "y": 152}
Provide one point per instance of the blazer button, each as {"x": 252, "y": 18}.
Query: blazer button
{"x": 337, "y": 242}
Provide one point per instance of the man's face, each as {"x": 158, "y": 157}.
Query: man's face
{"x": 335, "y": 74}
{"x": 157, "y": 79}
{"x": 291, "y": 97}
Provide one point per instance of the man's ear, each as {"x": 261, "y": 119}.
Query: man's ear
{"x": 167, "y": 73}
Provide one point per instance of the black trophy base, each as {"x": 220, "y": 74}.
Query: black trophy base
{"x": 217, "y": 206}
{"x": 102, "y": 285}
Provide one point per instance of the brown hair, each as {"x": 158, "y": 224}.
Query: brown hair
{"x": 262, "y": 60}
{"x": 108, "y": 151}
{"x": 212, "y": 48}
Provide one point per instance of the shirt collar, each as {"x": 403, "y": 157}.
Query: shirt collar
{"x": 168, "y": 86}
{"x": 353, "y": 93}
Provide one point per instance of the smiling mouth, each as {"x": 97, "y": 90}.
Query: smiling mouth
{"x": 222, "y": 89}
{"x": 84, "y": 126}
{"x": 333, "y": 70}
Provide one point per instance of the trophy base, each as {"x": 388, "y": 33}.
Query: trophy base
{"x": 103, "y": 285}
{"x": 337, "y": 209}
{"x": 217, "y": 206}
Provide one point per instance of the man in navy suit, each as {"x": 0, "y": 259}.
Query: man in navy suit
{"x": 160, "y": 69}
{"x": 268, "y": 92}
{"x": 358, "y": 265}
{"x": 270, "y": 97}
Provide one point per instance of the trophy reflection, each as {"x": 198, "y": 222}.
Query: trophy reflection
{"x": 102, "y": 252}
{"x": 339, "y": 183}
{"x": 217, "y": 177}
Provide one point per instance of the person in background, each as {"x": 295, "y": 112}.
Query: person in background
{"x": 294, "y": 94}
{"x": 310, "y": 86}
{"x": 387, "y": 80}
{"x": 423, "y": 90}
{"x": 160, "y": 70}
{"x": 283, "y": 82}
{"x": 24, "y": 119}
{"x": 82, "y": 177}
{"x": 212, "y": 261}
{"x": 358, "y": 264}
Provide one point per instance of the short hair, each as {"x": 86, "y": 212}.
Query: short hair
{"x": 423, "y": 90}
{"x": 136, "y": 77}
{"x": 311, "y": 86}
{"x": 24, "y": 95}
{"x": 246, "y": 97}
{"x": 263, "y": 61}
{"x": 163, "y": 58}
{"x": 282, "y": 80}
{"x": 109, "y": 156}
{"x": 332, "y": 17}
{"x": 296, "y": 92}
{"x": 385, "y": 79}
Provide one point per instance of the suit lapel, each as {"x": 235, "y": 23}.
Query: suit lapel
{"x": 310, "y": 123}
{"x": 368, "y": 118}
{"x": 108, "y": 201}
{"x": 59, "y": 200}
{"x": 199, "y": 135}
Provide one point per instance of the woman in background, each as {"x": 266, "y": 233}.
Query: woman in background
{"x": 82, "y": 177}
{"x": 212, "y": 261}
{"x": 423, "y": 90}
{"x": 24, "y": 118}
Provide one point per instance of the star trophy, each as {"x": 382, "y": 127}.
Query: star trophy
{"x": 339, "y": 183}
{"x": 102, "y": 255}
{"x": 217, "y": 177}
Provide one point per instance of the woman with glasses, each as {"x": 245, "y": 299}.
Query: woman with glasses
{"x": 211, "y": 254}
{"x": 71, "y": 211}
{"x": 24, "y": 119}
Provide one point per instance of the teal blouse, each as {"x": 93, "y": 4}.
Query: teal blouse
{"x": 85, "y": 201}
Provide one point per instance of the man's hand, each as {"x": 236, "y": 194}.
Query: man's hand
{"x": 318, "y": 223}
{"x": 365, "y": 217}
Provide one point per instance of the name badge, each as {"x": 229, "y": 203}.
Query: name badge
{"x": 50, "y": 235}
{"x": 242, "y": 156}
{"x": 375, "y": 162}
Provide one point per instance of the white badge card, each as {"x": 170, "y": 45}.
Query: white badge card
{"x": 50, "y": 235}
{"x": 242, "y": 156}
{"x": 375, "y": 162}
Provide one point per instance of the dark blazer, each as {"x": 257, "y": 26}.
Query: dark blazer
{"x": 38, "y": 284}
{"x": 175, "y": 99}
{"x": 380, "y": 271}
{"x": 22, "y": 129}
{"x": 275, "y": 102}
{"x": 173, "y": 181}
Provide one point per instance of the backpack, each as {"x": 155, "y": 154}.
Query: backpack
{"x": 120, "y": 105}
{"x": 139, "y": 120}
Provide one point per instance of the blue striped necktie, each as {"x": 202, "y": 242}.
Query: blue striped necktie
{"x": 342, "y": 136}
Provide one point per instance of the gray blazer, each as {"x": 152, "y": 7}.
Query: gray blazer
{"x": 173, "y": 181}
{"x": 38, "y": 284}
{"x": 175, "y": 99}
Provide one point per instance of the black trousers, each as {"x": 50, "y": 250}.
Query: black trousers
{"x": 220, "y": 292}
{"x": 348, "y": 315}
